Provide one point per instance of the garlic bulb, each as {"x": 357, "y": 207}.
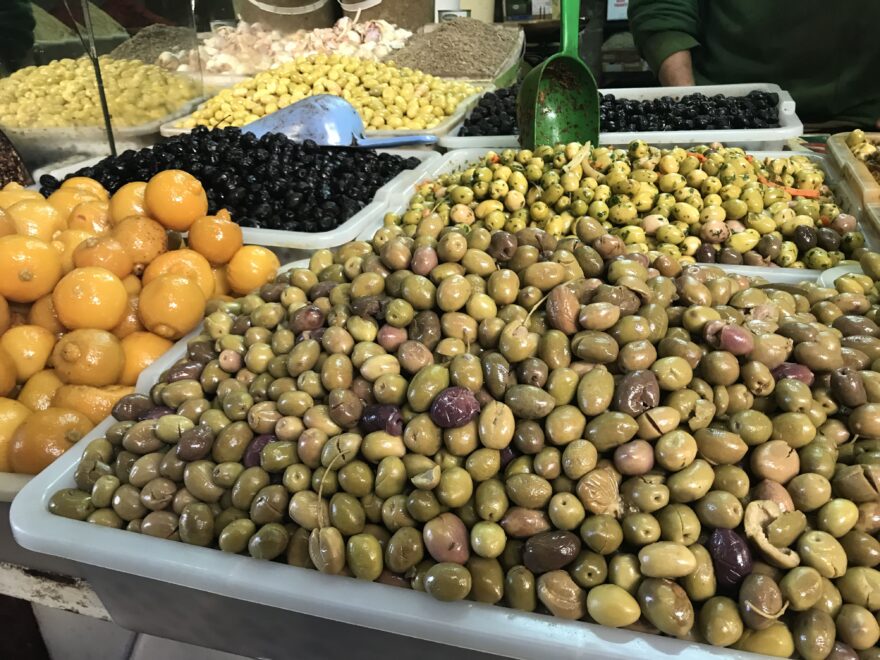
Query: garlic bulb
{"x": 250, "y": 47}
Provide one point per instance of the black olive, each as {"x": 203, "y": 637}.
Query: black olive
{"x": 266, "y": 182}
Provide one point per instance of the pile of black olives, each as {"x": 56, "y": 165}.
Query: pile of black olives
{"x": 269, "y": 182}
{"x": 693, "y": 112}
{"x": 512, "y": 419}
{"x": 495, "y": 114}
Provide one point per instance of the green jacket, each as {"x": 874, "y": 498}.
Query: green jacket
{"x": 16, "y": 32}
{"x": 827, "y": 54}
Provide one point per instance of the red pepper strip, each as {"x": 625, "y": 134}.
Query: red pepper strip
{"x": 699, "y": 157}
{"x": 794, "y": 192}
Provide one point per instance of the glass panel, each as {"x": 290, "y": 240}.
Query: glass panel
{"x": 50, "y": 106}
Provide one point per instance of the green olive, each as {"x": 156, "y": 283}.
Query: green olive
{"x": 448, "y": 582}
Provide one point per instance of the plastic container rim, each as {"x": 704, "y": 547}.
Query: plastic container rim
{"x": 475, "y": 626}
{"x": 790, "y": 125}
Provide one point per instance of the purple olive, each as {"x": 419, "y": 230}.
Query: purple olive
{"x": 390, "y": 338}
{"x": 637, "y": 392}
{"x": 507, "y": 455}
{"x": 240, "y": 325}
{"x": 185, "y": 371}
{"x": 794, "y": 370}
{"x": 195, "y": 443}
{"x": 309, "y": 317}
{"x": 252, "y": 453}
{"x": 844, "y": 223}
{"x": 424, "y": 260}
{"x": 634, "y": 458}
{"x": 382, "y": 418}
{"x": 446, "y": 539}
{"x": 736, "y": 339}
{"x": 848, "y": 388}
{"x": 157, "y": 412}
{"x": 454, "y": 407}
{"x": 550, "y": 551}
{"x": 322, "y": 289}
{"x": 728, "y": 337}
{"x": 731, "y": 557}
{"x": 369, "y": 307}
{"x": 502, "y": 246}
{"x": 201, "y": 352}
{"x": 130, "y": 407}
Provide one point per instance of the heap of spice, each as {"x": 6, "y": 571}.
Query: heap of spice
{"x": 461, "y": 48}
{"x": 12, "y": 169}
{"x": 148, "y": 44}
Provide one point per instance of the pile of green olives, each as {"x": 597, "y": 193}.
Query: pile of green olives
{"x": 865, "y": 150}
{"x": 513, "y": 419}
{"x": 710, "y": 204}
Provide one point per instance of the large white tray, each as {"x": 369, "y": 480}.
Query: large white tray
{"x": 764, "y": 139}
{"x": 855, "y": 170}
{"x": 41, "y": 146}
{"x": 441, "y": 129}
{"x": 261, "y": 608}
{"x": 299, "y": 240}
{"x": 461, "y": 158}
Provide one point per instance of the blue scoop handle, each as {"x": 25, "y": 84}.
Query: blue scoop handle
{"x": 396, "y": 141}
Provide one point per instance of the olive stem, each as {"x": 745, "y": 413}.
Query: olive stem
{"x": 763, "y": 614}
{"x": 534, "y": 307}
{"x": 321, "y": 489}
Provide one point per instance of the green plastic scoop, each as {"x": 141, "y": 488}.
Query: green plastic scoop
{"x": 558, "y": 99}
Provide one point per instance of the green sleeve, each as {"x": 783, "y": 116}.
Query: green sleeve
{"x": 16, "y": 29}
{"x": 663, "y": 27}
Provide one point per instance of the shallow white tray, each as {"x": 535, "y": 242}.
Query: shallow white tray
{"x": 855, "y": 170}
{"x": 848, "y": 200}
{"x": 765, "y": 139}
{"x": 170, "y": 128}
{"x": 299, "y": 240}
{"x": 50, "y": 145}
{"x": 143, "y": 567}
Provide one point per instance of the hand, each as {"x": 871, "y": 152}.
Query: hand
{"x": 677, "y": 70}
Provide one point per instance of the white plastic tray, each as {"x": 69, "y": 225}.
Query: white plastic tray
{"x": 462, "y": 158}
{"x": 765, "y": 139}
{"x": 11, "y": 483}
{"x": 42, "y": 146}
{"x": 872, "y": 219}
{"x": 131, "y": 572}
{"x": 856, "y": 172}
{"x": 261, "y": 608}
{"x": 169, "y": 128}
{"x": 298, "y": 240}
{"x": 355, "y": 225}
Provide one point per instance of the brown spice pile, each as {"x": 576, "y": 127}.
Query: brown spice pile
{"x": 12, "y": 168}
{"x": 148, "y": 44}
{"x": 461, "y": 48}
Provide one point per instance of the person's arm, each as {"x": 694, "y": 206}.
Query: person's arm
{"x": 677, "y": 70}
{"x": 665, "y": 31}
{"x": 16, "y": 31}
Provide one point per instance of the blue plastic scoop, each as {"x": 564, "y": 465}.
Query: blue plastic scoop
{"x": 330, "y": 121}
